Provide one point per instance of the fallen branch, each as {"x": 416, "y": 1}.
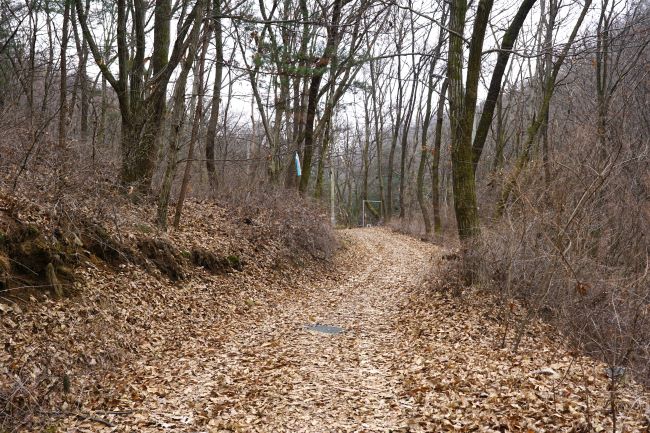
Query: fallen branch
{"x": 82, "y": 416}
{"x": 94, "y": 418}
{"x": 114, "y": 412}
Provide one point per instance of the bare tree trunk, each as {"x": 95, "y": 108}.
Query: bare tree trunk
{"x": 543, "y": 110}
{"x": 85, "y": 91}
{"x": 365, "y": 155}
{"x": 500, "y": 136}
{"x": 397, "y": 123}
{"x": 494, "y": 90}
{"x": 435, "y": 160}
{"x": 327, "y": 137}
{"x": 211, "y": 134}
{"x": 314, "y": 86}
{"x": 178, "y": 117}
{"x": 328, "y": 55}
{"x": 405, "y": 140}
{"x": 549, "y": 23}
{"x": 199, "y": 73}
{"x": 379, "y": 123}
{"x": 49, "y": 69}
{"x": 424, "y": 152}
{"x": 81, "y": 79}
{"x": 141, "y": 110}
{"x": 299, "y": 99}
{"x": 102, "y": 117}
{"x": 63, "y": 105}
{"x": 462, "y": 106}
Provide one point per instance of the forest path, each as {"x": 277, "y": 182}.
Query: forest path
{"x": 284, "y": 377}
{"x": 277, "y": 375}
{"x": 409, "y": 359}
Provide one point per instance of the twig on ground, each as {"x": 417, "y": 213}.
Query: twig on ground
{"x": 82, "y": 416}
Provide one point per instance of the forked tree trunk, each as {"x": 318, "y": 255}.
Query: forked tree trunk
{"x": 314, "y": 86}
{"x": 542, "y": 117}
{"x": 141, "y": 104}
{"x": 462, "y": 105}
{"x": 177, "y": 121}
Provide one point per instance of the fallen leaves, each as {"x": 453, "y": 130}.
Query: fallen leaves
{"x": 127, "y": 319}
{"x": 231, "y": 353}
{"x": 478, "y": 386}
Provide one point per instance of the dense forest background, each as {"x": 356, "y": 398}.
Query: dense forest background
{"x": 519, "y": 128}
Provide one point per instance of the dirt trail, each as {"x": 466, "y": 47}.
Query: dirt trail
{"x": 302, "y": 380}
{"x": 403, "y": 363}
{"x": 275, "y": 374}
{"x": 279, "y": 376}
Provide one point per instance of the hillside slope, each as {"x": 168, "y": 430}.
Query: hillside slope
{"x": 132, "y": 292}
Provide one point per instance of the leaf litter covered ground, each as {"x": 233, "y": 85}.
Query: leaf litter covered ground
{"x": 409, "y": 359}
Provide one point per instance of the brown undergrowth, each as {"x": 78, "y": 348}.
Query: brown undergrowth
{"x": 469, "y": 380}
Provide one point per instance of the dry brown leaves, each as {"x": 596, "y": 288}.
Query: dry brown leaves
{"x": 462, "y": 380}
{"x": 128, "y": 316}
{"x": 232, "y": 353}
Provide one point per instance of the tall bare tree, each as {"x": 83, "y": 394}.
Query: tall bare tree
{"x": 141, "y": 96}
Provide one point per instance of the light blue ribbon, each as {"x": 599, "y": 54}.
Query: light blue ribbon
{"x": 298, "y": 171}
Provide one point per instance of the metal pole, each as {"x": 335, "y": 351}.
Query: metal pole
{"x": 332, "y": 204}
{"x": 332, "y": 183}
